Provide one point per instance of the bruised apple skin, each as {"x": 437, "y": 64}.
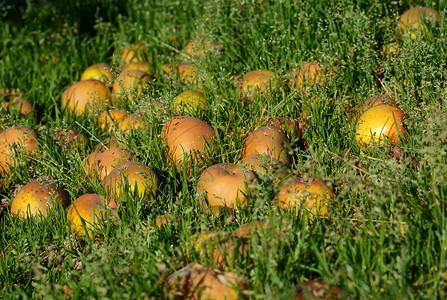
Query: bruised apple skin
{"x": 380, "y": 123}
{"x": 86, "y": 212}
{"x": 225, "y": 184}
{"x": 268, "y": 140}
{"x": 85, "y": 95}
{"x": 199, "y": 282}
{"x": 36, "y": 197}
{"x": 188, "y": 137}
{"x": 309, "y": 195}
{"x": 16, "y": 140}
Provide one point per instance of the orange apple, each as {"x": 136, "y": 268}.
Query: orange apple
{"x": 225, "y": 184}
{"x": 199, "y": 282}
{"x": 414, "y": 22}
{"x": 14, "y": 142}
{"x": 266, "y": 167}
{"x": 308, "y": 75}
{"x": 134, "y": 177}
{"x": 200, "y": 46}
{"x": 379, "y": 123}
{"x": 307, "y": 195}
{"x": 86, "y": 213}
{"x": 133, "y": 53}
{"x": 129, "y": 83}
{"x": 102, "y": 72}
{"x": 268, "y": 140}
{"x": 188, "y": 137}
{"x": 111, "y": 119}
{"x": 108, "y": 160}
{"x": 36, "y": 197}
{"x": 21, "y": 106}
{"x": 85, "y": 95}
{"x": 257, "y": 83}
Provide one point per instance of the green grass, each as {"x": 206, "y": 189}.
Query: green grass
{"x": 386, "y": 233}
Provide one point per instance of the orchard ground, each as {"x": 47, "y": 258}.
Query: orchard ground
{"x": 385, "y": 233}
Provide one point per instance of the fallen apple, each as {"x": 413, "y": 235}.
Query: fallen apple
{"x": 129, "y": 84}
{"x": 86, "y": 95}
{"x": 200, "y": 46}
{"x": 71, "y": 139}
{"x": 132, "y": 53}
{"x": 379, "y": 123}
{"x": 414, "y": 22}
{"x": 314, "y": 290}
{"x": 268, "y": 140}
{"x": 266, "y": 167}
{"x": 102, "y": 72}
{"x": 111, "y": 119}
{"x": 188, "y": 137}
{"x": 309, "y": 196}
{"x": 199, "y": 282}
{"x": 308, "y": 75}
{"x": 15, "y": 142}
{"x": 257, "y": 83}
{"x": 108, "y": 160}
{"x": 225, "y": 184}
{"x": 133, "y": 177}
{"x": 193, "y": 102}
{"x": 140, "y": 66}
{"x": 36, "y": 197}
{"x": 86, "y": 214}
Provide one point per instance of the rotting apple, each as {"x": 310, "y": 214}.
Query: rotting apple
{"x": 306, "y": 195}
{"x": 36, "y": 197}
{"x": 199, "y": 282}
{"x": 85, "y": 95}
{"x": 193, "y": 102}
{"x": 257, "y": 83}
{"x": 188, "y": 137}
{"x": 225, "y": 184}
{"x": 379, "y": 123}
{"x": 134, "y": 177}
{"x": 316, "y": 290}
{"x": 268, "y": 140}
{"x": 86, "y": 214}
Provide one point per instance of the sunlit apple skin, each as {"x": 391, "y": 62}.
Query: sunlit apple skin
{"x": 86, "y": 95}
{"x": 21, "y": 137}
{"x": 86, "y": 212}
{"x": 380, "y": 123}
{"x": 225, "y": 184}
{"x": 187, "y": 136}
{"x": 268, "y": 140}
{"x": 129, "y": 83}
{"x": 373, "y": 101}
{"x": 36, "y": 197}
{"x": 137, "y": 175}
{"x": 413, "y": 21}
{"x": 257, "y": 83}
{"x": 190, "y": 101}
{"x": 102, "y": 72}
{"x": 110, "y": 120}
{"x": 309, "y": 195}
